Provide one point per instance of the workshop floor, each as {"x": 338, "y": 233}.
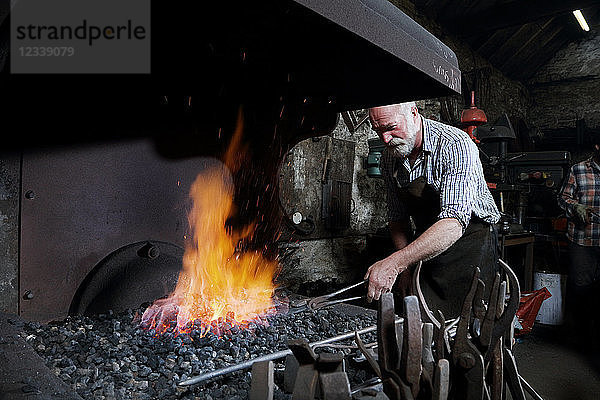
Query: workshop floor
{"x": 556, "y": 368}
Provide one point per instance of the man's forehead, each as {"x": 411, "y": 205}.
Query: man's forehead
{"x": 384, "y": 114}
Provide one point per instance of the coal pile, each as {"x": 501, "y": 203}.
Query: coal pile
{"x": 111, "y": 357}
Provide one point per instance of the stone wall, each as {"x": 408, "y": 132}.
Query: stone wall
{"x": 568, "y": 87}
{"x": 495, "y": 94}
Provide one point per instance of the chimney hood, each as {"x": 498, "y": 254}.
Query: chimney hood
{"x": 339, "y": 54}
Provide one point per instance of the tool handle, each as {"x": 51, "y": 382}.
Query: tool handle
{"x": 342, "y": 290}
{"x": 332, "y": 302}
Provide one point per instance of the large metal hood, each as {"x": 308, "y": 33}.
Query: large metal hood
{"x": 383, "y": 56}
{"x": 339, "y": 54}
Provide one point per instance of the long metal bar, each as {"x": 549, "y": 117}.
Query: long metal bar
{"x": 529, "y": 389}
{"x": 342, "y": 290}
{"x": 371, "y": 383}
{"x": 268, "y": 357}
{"x": 316, "y": 306}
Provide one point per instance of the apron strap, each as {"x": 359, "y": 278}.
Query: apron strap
{"x": 398, "y": 165}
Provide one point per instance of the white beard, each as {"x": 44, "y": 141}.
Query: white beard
{"x": 402, "y": 148}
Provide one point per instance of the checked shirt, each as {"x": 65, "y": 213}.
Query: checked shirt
{"x": 583, "y": 187}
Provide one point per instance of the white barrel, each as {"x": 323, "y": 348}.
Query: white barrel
{"x": 552, "y": 309}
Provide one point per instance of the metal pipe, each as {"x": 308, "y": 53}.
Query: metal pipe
{"x": 371, "y": 383}
{"x": 270, "y": 357}
{"x": 530, "y": 389}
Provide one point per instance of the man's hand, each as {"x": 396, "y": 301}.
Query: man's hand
{"x": 582, "y": 213}
{"x": 382, "y": 276}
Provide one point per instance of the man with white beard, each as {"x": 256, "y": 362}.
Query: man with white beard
{"x": 440, "y": 210}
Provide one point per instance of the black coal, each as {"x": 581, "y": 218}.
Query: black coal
{"x": 110, "y": 356}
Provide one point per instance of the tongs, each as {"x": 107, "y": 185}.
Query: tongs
{"x": 323, "y": 301}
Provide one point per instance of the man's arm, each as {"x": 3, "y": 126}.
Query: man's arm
{"x": 435, "y": 240}
{"x": 460, "y": 167}
{"x": 567, "y": 197}
{"x": 568, "y": 200}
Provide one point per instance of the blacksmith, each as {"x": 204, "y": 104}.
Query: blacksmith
{"x": 440, "y": 210}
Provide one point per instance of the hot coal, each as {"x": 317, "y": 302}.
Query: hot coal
{"x": 112, "y": 357}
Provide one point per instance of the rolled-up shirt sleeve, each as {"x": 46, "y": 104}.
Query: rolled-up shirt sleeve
{"x": 460, "y": 171}
{"x": 567, "y": 198}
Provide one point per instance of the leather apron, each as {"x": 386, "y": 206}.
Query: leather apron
{"x": 445, "y": 279}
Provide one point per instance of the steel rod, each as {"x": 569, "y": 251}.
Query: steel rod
{"x": 371, "y": 383}
{"x": 529, "y": 389}
{"x": 342, "y": 290}
{"x": 337, "y": 301}
{"x": 269, "y": 357}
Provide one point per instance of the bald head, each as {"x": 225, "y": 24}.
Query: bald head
{"x": 403, "y": 108}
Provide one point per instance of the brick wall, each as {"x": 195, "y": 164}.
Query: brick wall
{"x": 577, "y": 60}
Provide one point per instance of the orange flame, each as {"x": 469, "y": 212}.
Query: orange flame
{"x": 218, "y": 284}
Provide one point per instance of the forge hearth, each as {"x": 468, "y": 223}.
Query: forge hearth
{"x": 109, "y": 356}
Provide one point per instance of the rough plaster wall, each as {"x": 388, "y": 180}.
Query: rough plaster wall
{"x": 330, "y": 259}
{"x": 9, "y": 232}
{"x": 320, "y": 265}
{"x": 568, "y": 87}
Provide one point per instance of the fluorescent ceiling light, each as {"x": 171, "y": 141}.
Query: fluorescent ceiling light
{"x": 579, "y": 16}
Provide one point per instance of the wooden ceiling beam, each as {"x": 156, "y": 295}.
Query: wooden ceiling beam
{"x": 533, "y": 34}
{"x": 539, "y": 62}
{"x": 507, "y": 47}
{"x": 494, "y": 41}
{"x": 527, "y": 66}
